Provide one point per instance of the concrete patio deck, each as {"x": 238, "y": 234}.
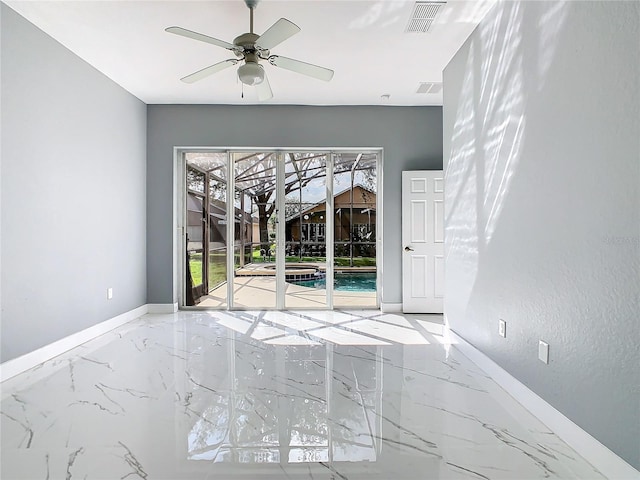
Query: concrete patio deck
{"x": 260, "y": 292}
{"x": 268, "y": 268}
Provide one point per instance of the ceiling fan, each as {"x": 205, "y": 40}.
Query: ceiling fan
{"x": 250, "y": 48}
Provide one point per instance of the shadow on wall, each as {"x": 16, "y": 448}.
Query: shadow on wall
{"x": 489, "y": 131}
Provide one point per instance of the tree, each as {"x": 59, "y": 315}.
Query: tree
{"x": 255, "y": 176}
{"x": 260, "y": 177}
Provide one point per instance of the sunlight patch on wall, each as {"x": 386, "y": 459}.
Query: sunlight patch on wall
{"x": 489, "y": 131}
{"x": 549, "y": 26}
{"x": 461, "y": 231}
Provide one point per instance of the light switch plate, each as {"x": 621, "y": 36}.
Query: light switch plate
{"x": 543, "y": 352}
{"x": 502, "y": 328}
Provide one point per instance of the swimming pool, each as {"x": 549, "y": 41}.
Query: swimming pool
{"x": 350, "y": 282}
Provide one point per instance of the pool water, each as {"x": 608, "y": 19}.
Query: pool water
{"x": 350, "y": 282}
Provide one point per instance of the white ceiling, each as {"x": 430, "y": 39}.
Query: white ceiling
{"x": 364, "y": 42}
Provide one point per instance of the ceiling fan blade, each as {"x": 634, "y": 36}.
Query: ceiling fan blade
{"x": 264, "y": 89}
{"x": 210, "y": 70}
{"x": 277, "y": 33}
{"x": 183, "y": 32}
{"x": 304, "y": 68}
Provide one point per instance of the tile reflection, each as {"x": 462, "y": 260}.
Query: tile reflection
{"x": 298, "y": 404}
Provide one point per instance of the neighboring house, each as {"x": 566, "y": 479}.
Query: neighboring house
{"x": 196, "y": 225}
{"x": 355, "y": 207}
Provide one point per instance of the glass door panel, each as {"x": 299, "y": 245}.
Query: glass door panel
{"x": 205, "y": 274}
{"x": 217, "y": 245}
{"x": 195, "y": 268}
{"x": 355, "y": 206}
{"x": 305, "y": 230}
{"x": 255, "y": 233}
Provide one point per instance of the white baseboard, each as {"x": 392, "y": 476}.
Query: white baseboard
{"x": 13, "y": 367}
{"x": 391, "y": 307}
{"x": 162, "y": 307}
{"x": 607, "y": 462}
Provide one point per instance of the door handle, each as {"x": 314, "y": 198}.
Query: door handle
{"x": 408, "y": 249}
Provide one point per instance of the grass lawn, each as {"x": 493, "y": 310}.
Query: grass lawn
{"x": 357, "y": 261}
{"x": 217, "y": 268}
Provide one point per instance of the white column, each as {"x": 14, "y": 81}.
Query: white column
{"x": 329, "y": 234}
{"x": 280, "y": 231}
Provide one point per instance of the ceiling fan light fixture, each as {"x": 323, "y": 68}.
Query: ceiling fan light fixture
{"x": 251, "y": 74}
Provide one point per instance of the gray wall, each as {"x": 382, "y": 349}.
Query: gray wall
{"x": 73, "y": 192}
{"x": 411, "y": 138}
{"x": 542, "y": 158}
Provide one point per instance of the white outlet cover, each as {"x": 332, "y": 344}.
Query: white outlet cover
{"x": 543, "y": 352}
{"x": 109, "y": 293}
{"x": 502, "y": 328}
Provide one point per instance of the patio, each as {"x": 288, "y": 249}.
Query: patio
{"x": 252, "y": 291}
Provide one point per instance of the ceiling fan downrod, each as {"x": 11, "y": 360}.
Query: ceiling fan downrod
{"x": 251, "y": 4}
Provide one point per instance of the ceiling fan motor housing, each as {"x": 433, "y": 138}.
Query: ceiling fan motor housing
{"x": 247, "y": 42}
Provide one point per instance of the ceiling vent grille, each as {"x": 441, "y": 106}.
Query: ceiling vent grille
{"x": 429, "y": 87}
{"x": 424, "y": 13}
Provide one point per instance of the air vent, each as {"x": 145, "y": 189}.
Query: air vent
{"x": 424, "y": 13}
{"x": 429, "y": 87}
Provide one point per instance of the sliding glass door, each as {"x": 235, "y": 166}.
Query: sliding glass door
{"x": 205, "y": 233}
{"x": 303, "y": 228}
{"x": 305, "y": 207}
{"x": 254, "y": 269}
{"x": 355, "y": 187}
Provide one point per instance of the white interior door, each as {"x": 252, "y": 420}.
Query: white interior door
{"x": 422, "y": 241}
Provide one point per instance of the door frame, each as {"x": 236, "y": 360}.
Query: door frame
{"x": 179, "y": 217}
{"x": 205, "y": 226}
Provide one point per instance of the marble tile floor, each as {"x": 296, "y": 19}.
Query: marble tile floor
{"x": 276, "y": 395}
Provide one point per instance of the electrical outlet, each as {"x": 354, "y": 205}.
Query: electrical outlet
{"x": 543, "y": 352}
{"x": 502, "y": 328}
{"x": 109, "y": 293}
